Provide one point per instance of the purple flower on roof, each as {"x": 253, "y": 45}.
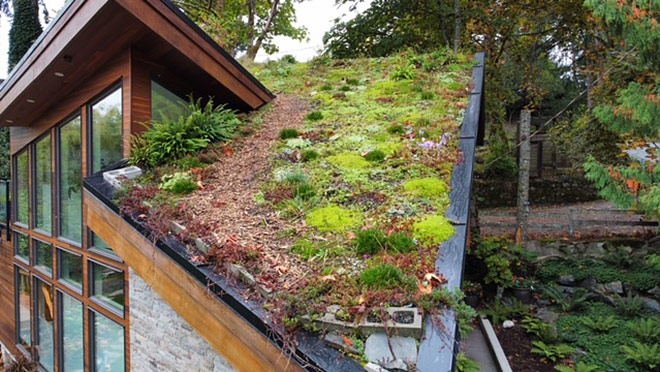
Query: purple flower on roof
{"x": 427, "y": 145}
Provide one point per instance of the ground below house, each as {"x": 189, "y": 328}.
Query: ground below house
{"x": 554, "y": 222}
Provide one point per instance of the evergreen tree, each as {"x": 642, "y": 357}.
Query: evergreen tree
{"x": 634, "y": 108}
{"x": 25, "y": 29}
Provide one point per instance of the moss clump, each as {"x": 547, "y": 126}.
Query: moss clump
{"x": 426, "y": 187}
{"x": 390, "y": 148}
{"x": 433, "y": 230}
{"x": 385, "y": 276}
{"x": 315, "y": 116}
{"x": 305, "y": 248}
{"x": 400, "y": 242}
{"x": 326, "y": 88}
{"x": 288, "y": 133}
{"x": 375, "y": 156}
{"x": 370, "y": 241}
{"x": 309, "y": 155}
{"x": 333, "y": 218}
{"x": 349, "y": 161}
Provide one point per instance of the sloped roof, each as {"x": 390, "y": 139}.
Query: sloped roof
{"x": 88, "y": 33}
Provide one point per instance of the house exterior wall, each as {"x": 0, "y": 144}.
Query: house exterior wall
{"x": 163, "y": 341}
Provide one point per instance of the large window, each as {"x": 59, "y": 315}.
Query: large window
{"x": 69, "y": 284}
{"x": 43, "y": 183}
{"x": 43, "y": 256}
{"x": 165, "y": 104}
{"x": 71, "y": 334}
{"x": 106, "y": 128}
{"x": 108, "y": 355}
{"x": 22, "y": 188}
{"x": 107, "y": 285}
{"x": 23, "y": 315}
{"x": 22, "y": 246}
{"x": 45, "y": 309}
{"x": 70, "y": 174}
{"x": 70, "y": 269}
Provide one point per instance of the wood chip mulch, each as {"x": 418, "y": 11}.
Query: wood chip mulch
{"x": 227, "y": 200}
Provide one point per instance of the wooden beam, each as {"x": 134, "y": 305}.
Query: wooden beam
{"x": 242, "y": 345}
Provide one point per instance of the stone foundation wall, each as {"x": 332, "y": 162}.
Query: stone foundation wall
{"x": 162, "y": 341}
{"x": 495, "y": 193}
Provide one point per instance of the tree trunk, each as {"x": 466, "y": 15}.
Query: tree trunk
{"x": 522, "y": 215}
{"x": 256, "y": 44}
{"x": 457, "y": 24}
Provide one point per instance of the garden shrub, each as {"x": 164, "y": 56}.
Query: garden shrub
{"x": 426, "y": 187}
{"x": 375, "y": 156}
{"x": 304, "y": 192}
{"x": 191, "y": 132}
{"x": 309, "y": 155}
{"x": 433, "y": 230}
{"x": 400, "y": 242}
{"x": 370, "y": 241}
{"x": 288, "y": 133}
{"x": 188, "y": 163}
{"x": 315, "y": 116}
{"x": 396, "y": 129}
{"x": 178, "y": 183}
{"x": 333, "y": 218}
{"x": 646, "y": 356}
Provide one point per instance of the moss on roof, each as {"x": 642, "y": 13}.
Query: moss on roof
{"x": 409, "y": 107}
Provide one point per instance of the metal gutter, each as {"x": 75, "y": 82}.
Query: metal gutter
{"x": 440, "y": 344}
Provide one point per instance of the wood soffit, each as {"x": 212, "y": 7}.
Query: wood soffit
{"x": 88, "y": 33}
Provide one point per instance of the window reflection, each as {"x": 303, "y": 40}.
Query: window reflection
{"x": 107, "y": 143}
{"x": 22, "y": 188}
{"x": 108, "y": 345}
{"x": 23, "y": 322}
{"x": 72, "y": 334}
{"x": 108, "y": 285}
{"x": 43, "y": 185}
{"x": 45, "y": 309}
{"x": 70, "y": 170}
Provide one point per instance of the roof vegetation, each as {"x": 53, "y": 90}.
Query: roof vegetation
{"x": 348, "y": 194}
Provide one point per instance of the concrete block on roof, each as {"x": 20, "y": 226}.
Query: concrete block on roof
{"x": 116, "y": 176}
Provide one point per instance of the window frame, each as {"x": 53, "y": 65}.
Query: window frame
{"x": 35, "y": 320}
{"x": 25, "y": 150}
{"x": 17, "y": 312}
{"x": 60, "y": 327}
{"x": 35, "y": 257}
{"x": 57, "y": 223}
{"x": 33, "y": 188}
{"x": 93, "y": 313}
{"x": 15, "y": 244}
{"x": 58, "y": 252}
{"x": 99, "y": 301}
{"x": 90, "y": 122}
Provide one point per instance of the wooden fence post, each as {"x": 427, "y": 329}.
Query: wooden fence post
{"x": 522, "y": 216}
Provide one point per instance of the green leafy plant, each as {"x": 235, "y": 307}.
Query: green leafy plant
{"x": 288, "y": 133}
{"x": 465, "y": 364}
{"x": 630, "y": 306}
{"x": 188, "y": 134}
{"x": 499, "y": 312}
{"x": 178, "y": 183}
{"x": 304, "y": 192}
{"x": 647, "y": 330}
{"x": 427, "y": 96}
{"x": 543, "y": 331}
{"x": 370, "y": 241}
{"x": 406, "y": 72}
{"x": 552, "y": 352}
{"x": 601, "y": 324}
{"x": 579, "y": 367}
{"x": 315, "y": 116}
{"x": 566, "y": 302}
{"x": 375, "y": 156}
{"x": 647, "y": 356}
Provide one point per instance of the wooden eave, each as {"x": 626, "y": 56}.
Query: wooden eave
{"x": 88, "y": 33}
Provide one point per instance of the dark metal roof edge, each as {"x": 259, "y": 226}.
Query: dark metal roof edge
{"x": 326, "y": 358}
{"x": 35, "y": 45}
{"x": 428, "y": 361}
{"x": 217, "y": 47}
